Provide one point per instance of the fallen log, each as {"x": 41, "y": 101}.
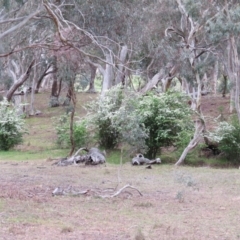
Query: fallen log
{"x": 70, "y": 191}
{"x": 140, "y": 160}
{"x": 93, "y": 157}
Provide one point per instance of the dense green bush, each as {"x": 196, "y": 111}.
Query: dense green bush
{"x": 165, "y": 117}
{"x": 227, "y": 135}
{"x": 11, "y": 126}
{"x": 102, "y": 112}
{"x": 147, "y": 122}
{"x": 63, "y": 132}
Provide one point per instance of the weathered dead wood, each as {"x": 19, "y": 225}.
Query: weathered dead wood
{"x": 120, "y": 190}
{"x": 70, "y": 191}
{"x": 140, "y": 160}
{"x": 93, "y": 157}
{"x": 60, "y": 192}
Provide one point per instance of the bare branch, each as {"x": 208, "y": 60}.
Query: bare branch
{"x": 21, "y": 24}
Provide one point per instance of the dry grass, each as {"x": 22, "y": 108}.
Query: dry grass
{"x": 177, "y": 203}
{"x": 207, "y": 209}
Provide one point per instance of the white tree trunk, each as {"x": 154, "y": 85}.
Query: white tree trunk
{"x": 31, "y": 110}
{"x": 121, "y": 66}
{"x": 215, "y": 78}
{"x": 199, "y": 93}
{"x": 19, "y": 82}
{"x": 235, "y": 69}
{"x": 154, "y": 81}
{"x": 108, "y": 75}
{"x": 199, "y": 129}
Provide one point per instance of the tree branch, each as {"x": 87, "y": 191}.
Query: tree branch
{"x": 20, "y": 81}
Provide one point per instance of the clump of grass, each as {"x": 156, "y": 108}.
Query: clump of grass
{"x": 180, "y": 196}
{"x": 185, "y": 179}
{"x": 143, "y": 205}
{"x": 66, "y": 229}
{"x": 188, "y": 183}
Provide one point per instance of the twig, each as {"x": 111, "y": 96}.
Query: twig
{"x": 71, "y": 192}
{"x": 120, "y": 190}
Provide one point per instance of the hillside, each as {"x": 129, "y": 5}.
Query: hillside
{"x": 213, "y": 107}
{"x": 42, "y": 132}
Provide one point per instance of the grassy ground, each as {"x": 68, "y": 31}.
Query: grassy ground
{"x": 176, "y": 203}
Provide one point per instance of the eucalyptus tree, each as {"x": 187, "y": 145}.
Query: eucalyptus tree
{"x": 225, "y": 29}
{"x": 13, "y": 25}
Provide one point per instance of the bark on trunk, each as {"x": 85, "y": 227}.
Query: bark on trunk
{"x": 73, "y": 98}
{"x": 107, "y": 74}
{"x": 54, "y": 102}
{"x": 215, "y": 77}
{"x": 19, "y": 82}
{"x": 224, "y": 86}
{"x": 120, "y": 78}
{"x": 199, "y": 129}
{"x": 154, "y": 81}
{"x": 91, "y": 88}
{"x": 236, "y": 74}
{"x": 47, "y": 71}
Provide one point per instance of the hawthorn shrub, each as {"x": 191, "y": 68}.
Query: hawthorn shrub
{"x": 11, "y": 126}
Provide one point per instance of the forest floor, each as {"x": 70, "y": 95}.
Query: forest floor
{"x": 176, "y": 202}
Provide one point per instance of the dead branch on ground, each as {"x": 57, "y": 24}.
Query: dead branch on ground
{"x": 70, "y": 191}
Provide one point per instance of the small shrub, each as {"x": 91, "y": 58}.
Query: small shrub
{"x": 63, "y": 132}
{"x": 145, "y": 122}
{"x": 11, "y": 126}
{"x": 165, "y": 117}
{"x": 102, "y": 112}
{"x": 227, "y": 135}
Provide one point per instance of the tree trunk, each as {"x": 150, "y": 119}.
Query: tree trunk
{"x": 199, "y": 94}
{"x": 215, "y": 77}
{"x": 46, "y": 72}
{"x": 69, "y": 96}
{"x": 54, "y": 92}
{"x": 74, "y": 100}
{"x": 121, "y": 66}
{"x": 108, "y": 74}
{"x": 235, "y": 65}
{"x": 93, "y": 69}
{"x": 31, "y": 110}
{"x": 224, "y": 85}
{"x": 154, "y": 81}
{"x": 199, "y": 129}
{"x": 19, "y": 82}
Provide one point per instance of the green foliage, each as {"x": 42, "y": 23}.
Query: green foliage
{"x": 102, "y": 112}
{"x": 164, "y": 117}
{"x": 228, "y": 136}
{"x": 11, "y": 126}
{"x": 184, "y": 137}
{"x": 81, "y": 82}
{"x": 144, "y": 122}
{"x": 63, "y": 132}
